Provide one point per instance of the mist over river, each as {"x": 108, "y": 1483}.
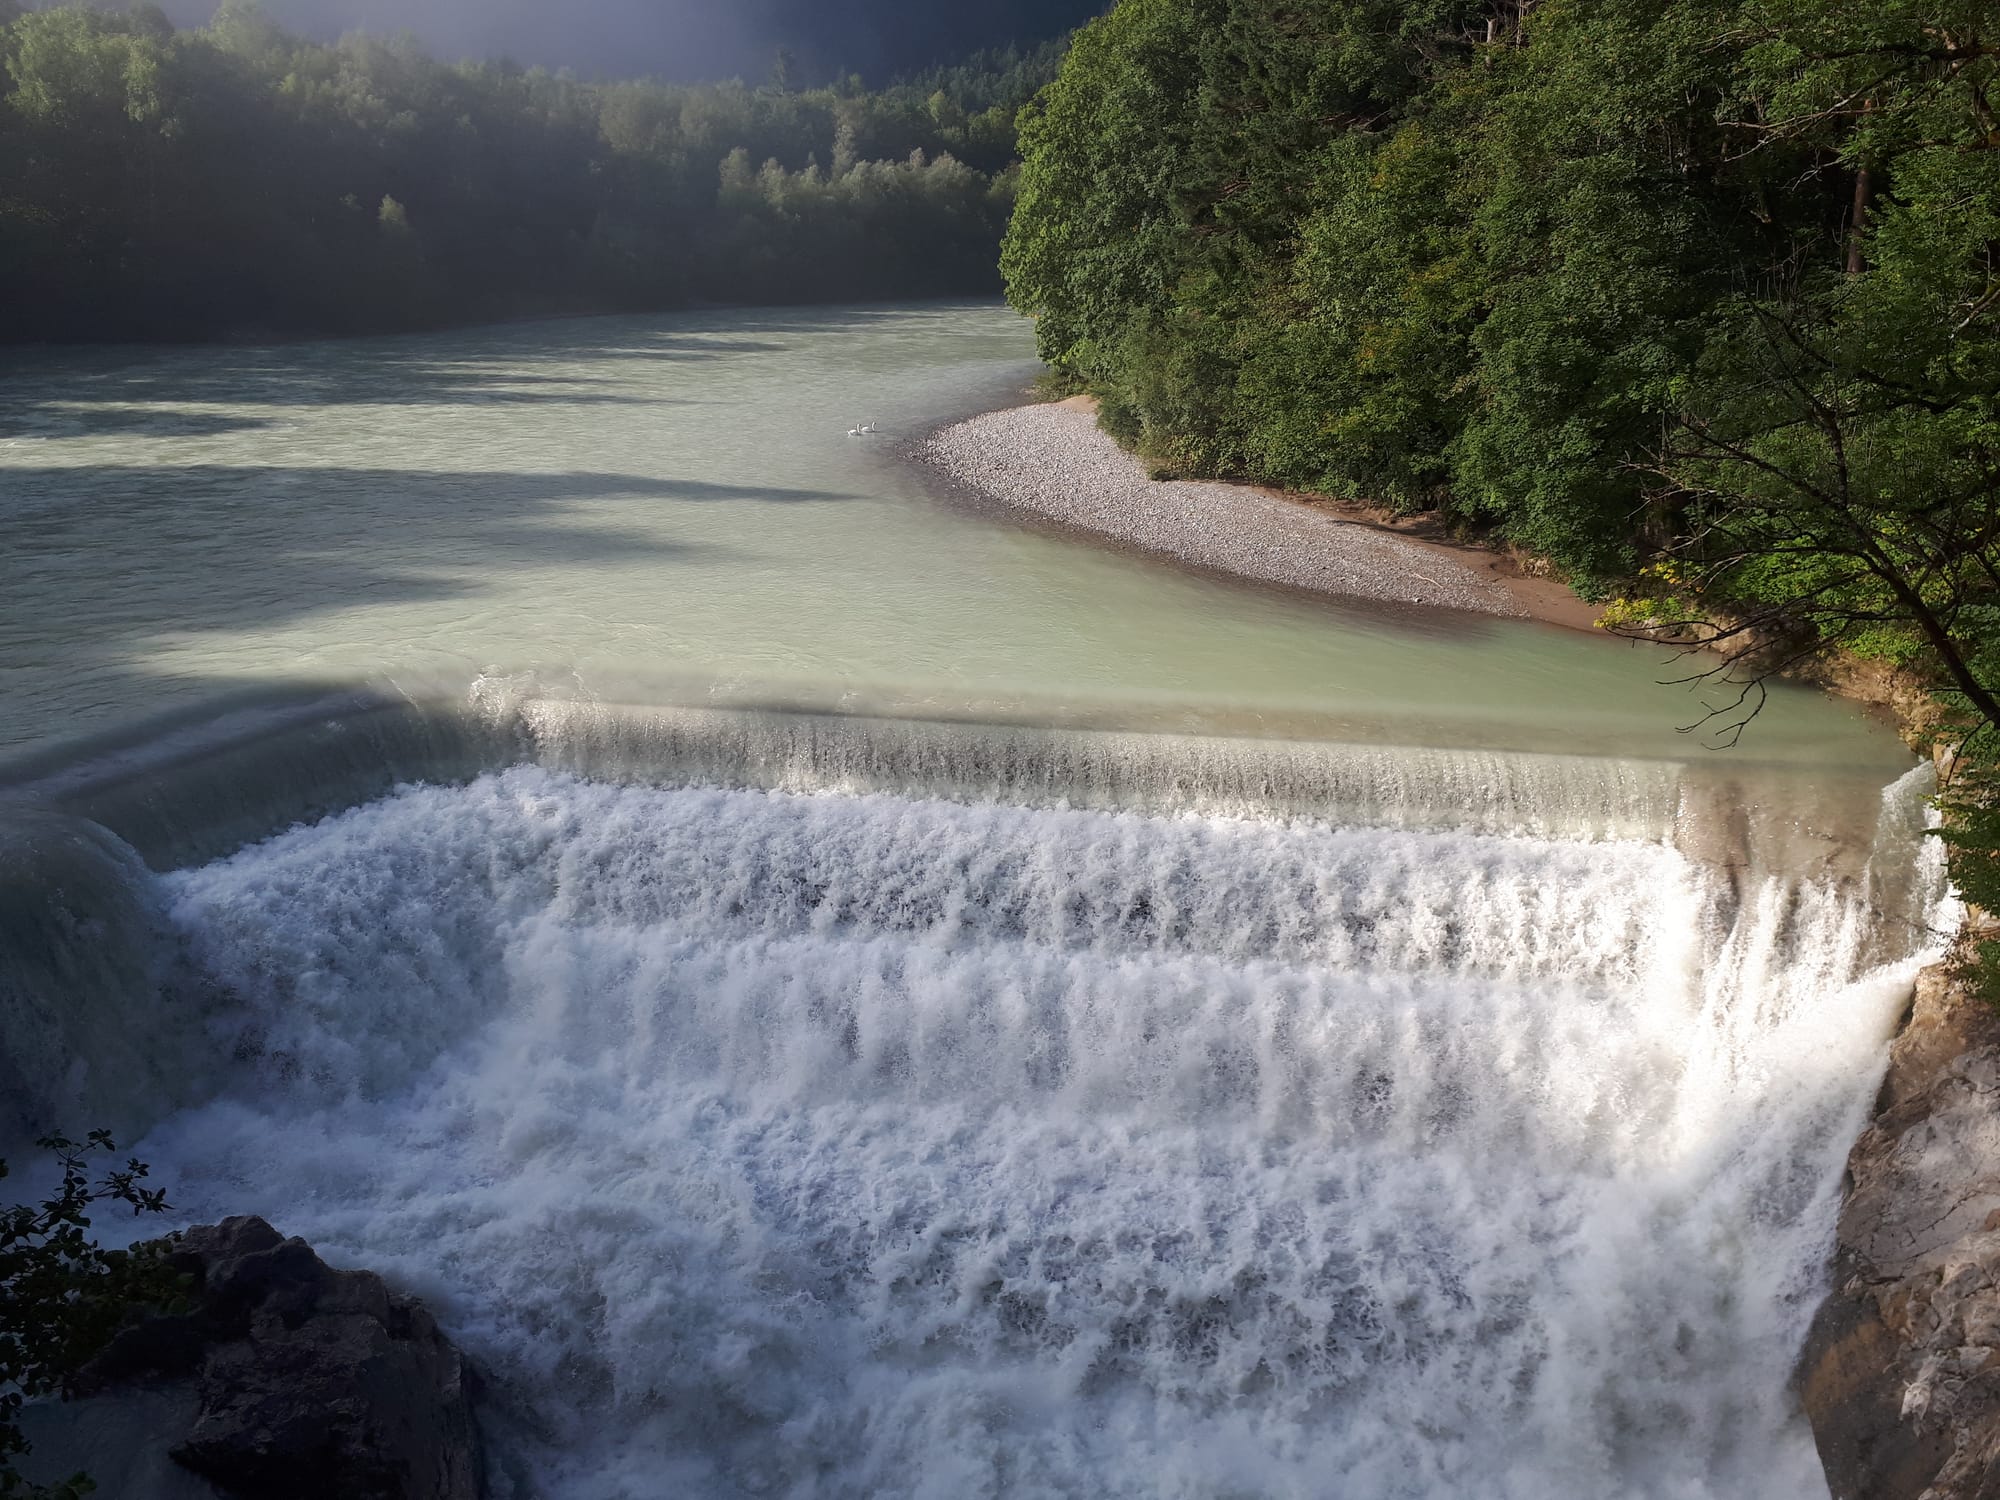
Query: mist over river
{"x": 829, "y": 992}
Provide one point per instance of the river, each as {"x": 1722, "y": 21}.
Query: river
{"x": 831, "y": 992}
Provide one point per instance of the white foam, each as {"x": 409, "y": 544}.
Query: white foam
{"x": 827, "y": 1145}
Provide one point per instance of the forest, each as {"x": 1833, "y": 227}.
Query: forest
{"x": 1698, "y": 301}
{"x": 235, "y": 181}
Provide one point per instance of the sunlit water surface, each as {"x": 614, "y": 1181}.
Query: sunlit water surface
{"x": 621, "y": 501}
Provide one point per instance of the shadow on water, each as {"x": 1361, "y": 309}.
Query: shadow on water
{"x": 120, "y": 421}
{"x": 117, "y": 569}
{"x": 129, "y": 398}
{"x": 254, "y": 547}
{"x": 69, "y": 392}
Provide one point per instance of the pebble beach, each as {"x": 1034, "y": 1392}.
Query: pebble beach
{"x": 1054, "y": 461}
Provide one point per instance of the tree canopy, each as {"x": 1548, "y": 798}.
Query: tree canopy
{"x": 240, "y": 181}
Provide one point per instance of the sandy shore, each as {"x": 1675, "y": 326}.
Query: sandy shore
{"x": 1053, "y": 460}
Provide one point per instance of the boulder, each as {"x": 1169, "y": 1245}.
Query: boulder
{"x": 1900, "y": 1376}
{"x": 308, "y": 1383}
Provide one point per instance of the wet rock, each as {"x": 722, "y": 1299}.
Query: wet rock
{"x": 120, "y": 1439}
{"x": 1901, "y": 1372}
{"x": 309, "y": 1383}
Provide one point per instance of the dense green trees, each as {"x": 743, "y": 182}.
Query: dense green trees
{"x": 240, "y": 181}
{"x": 1424, "y": 251}
{"x": 1412, "y": 249}
{"x": 1698, "y": 298}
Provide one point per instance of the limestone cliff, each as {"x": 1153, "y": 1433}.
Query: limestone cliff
{"x": 1901, "y": 1373}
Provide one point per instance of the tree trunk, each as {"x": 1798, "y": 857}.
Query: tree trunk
{"x": 1857, "y": 225}
{"x": 1857, "y": 221}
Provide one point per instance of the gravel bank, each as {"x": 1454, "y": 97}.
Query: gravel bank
{"x": 1054, "y": 460}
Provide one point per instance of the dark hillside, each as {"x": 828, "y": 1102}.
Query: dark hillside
{"x": 688, "y": 41}
{"x": 240, "y": 181}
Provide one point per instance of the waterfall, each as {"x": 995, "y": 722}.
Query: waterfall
{"x": 193, "y": 793}
{"x": 1174, "y": 1119}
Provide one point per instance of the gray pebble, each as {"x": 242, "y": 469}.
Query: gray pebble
{"x": 1055, "y": 461}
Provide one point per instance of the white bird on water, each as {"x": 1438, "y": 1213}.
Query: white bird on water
{"x": 862, "y": 431}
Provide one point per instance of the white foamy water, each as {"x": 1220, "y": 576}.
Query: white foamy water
{"x": 763, "y": 1143}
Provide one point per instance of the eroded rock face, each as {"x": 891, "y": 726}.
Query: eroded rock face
{"x": 1901, "y": 1373}
{"x": 310, "y": 1383}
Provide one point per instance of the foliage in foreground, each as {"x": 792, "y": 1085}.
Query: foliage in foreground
{"x": 62, "y": 1296}
{"x": 1698, "y": 298}
{"x": 240, "y": 181}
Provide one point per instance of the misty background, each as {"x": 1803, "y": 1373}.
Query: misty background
{"x": 688, "y": 39}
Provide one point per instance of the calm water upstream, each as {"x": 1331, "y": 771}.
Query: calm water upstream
{"x": 830, "y": 994}
{"x": 611, "y": 500}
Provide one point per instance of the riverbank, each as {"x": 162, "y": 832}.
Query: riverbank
{"x": 1054, "y": 462}
{"x": 1900, "y": 1377}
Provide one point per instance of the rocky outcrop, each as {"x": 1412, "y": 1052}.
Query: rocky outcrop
{"x": 1901, "y": 1373}
{"x": 307, "y": 1383}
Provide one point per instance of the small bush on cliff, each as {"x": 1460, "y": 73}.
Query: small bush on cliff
{"x": 62, "y": 1295}
{"x": 1971, "y": 805}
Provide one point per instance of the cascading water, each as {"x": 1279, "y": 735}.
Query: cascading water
{"x": 1118, "y": 1034}
{"x": 860, "y": 1143}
